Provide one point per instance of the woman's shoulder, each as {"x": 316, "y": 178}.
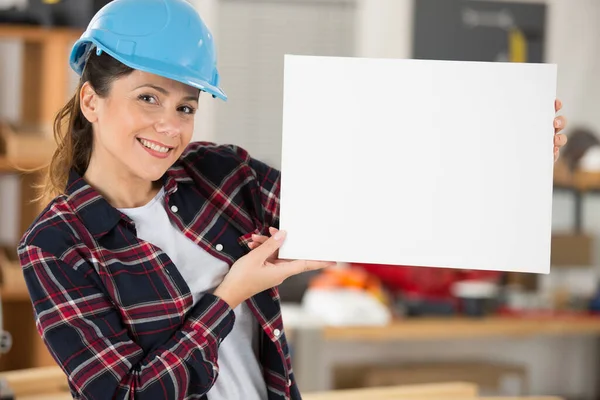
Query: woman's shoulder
{"x": 210, "y": 151}
{"x": 213, "y": 161}
{"x": 222, "y": 157}
{"x": 51, "y": 230}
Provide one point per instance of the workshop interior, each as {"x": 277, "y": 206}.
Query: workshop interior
{"x": 355, "y": 331}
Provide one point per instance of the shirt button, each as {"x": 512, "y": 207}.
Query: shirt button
{"x": 174, "y": 209}
{"x": 219, "y": 247}
{"x": 276, "y": 332}
{"x": 289, "y": 382}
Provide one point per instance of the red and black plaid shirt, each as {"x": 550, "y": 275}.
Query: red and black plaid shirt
{"x": 115, "y": 312}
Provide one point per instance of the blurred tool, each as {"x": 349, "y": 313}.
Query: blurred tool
{"x": 595, "y": 302}
{"x": 517, "y": 41}
{"x": 347, "y": 296}
{"x": 421, "y": 291}
{"x": 51, "y": 13}
{"x": 581, "y": 151}
{"x": 476, "y": 298}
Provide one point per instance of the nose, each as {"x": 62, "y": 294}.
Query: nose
{"x": 169, "y": 124}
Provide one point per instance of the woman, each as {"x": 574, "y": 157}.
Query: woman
{"x": 151, "y": 271}
{"x": 139, "y": 268}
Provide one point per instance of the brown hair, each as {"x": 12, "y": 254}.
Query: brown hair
{"x": 72, "y": 131}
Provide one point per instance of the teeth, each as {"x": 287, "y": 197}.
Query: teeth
{"x": 154, "y": 146}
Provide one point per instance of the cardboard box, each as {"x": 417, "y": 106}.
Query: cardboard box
{"x": 572, "y": 250}
{"x": 26, "y": 147}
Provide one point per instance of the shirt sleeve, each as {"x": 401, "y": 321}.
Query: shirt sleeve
{"x": 87, "y": 338}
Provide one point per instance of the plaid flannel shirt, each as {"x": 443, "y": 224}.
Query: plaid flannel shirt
{"x": 114, "y": 311}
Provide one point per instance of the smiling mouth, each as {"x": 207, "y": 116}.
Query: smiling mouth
{"x": 154, "y": 146}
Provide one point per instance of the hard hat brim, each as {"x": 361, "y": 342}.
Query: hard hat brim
{"x": 176, "y": 72}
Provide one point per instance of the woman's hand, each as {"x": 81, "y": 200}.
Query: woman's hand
{"x": 260, "y": 269}
{"x": 559, "y": 124}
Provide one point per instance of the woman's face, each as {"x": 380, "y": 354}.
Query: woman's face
{"x": 144, "y": 123}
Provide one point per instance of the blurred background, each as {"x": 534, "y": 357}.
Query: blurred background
{"x": 357, "y": 325}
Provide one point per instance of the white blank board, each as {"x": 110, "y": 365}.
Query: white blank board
{"x": 418, "y": 162}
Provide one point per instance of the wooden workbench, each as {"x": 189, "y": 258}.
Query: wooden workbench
{"x": 464, "y": 328}
{"x": 314, "y": 363}
{"x": 440, "y": 391}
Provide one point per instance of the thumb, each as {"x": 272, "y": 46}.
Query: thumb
{"x": 269, "y": 247}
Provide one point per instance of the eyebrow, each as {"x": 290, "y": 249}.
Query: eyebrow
{"x": 165, "y": 91}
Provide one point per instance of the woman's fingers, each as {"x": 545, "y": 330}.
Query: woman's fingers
{"x": 299, "y": 266}
{"x": 559, "y": 123}
{"x": 269, "y": 248}
{"x": 259, "y": 238}
{"x": 557, "y": 105}
{"x": 560, "y": 140}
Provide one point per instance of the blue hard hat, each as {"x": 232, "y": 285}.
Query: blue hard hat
{"x": 162, "y": 37}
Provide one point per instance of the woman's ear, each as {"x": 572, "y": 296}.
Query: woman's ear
{"x": 88, "y": 100}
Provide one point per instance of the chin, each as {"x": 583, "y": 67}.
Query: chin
{"x": 152, "y": 175}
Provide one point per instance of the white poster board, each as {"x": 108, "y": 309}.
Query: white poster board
{"x": 415, "y": 162}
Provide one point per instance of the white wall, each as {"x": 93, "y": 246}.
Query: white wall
{"x": 205, "y": 116}
{"x": 384, "y": 28}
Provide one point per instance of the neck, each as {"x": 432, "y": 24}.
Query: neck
{"x": 117, "y": 184}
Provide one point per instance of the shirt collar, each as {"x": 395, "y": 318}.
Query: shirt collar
{"x": 96, "y": 213}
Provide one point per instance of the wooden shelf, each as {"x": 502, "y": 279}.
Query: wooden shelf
{"x": 46, "y": 86}
{"x": 46, "y": 72}
{"x": 37, "y": 33}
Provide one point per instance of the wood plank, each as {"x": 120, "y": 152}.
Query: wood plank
{"x": 36, "y": 381}
{"x": 55, "y": 396}
{"x": 439, "y": 391}
{"x": 463, "y": 328}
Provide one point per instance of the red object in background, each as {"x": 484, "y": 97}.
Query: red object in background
{"x": 425, "y": 282}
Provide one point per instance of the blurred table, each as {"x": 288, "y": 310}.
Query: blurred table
{"x": 309, "y": 342}
{"x": 449, "y": 391}
{"x": 437, "y": 391}
{"x": 465, "y": 328}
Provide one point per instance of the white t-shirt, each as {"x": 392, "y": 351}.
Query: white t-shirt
{"x": 240, "y": 372}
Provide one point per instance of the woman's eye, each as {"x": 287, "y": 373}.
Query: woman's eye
{"x": 147, "y": 98}
{"x": 187, "y": 109}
